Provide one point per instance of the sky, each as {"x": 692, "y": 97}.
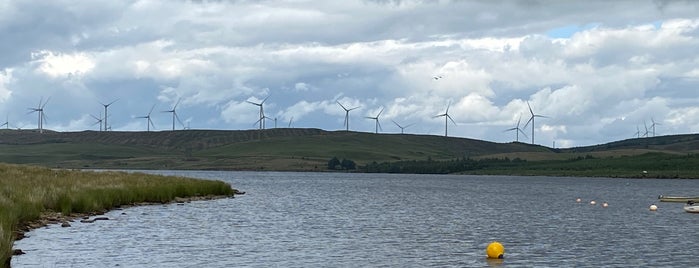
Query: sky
{"x": 596, "y": 71}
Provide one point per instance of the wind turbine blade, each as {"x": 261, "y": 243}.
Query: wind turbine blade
{"x": 178, "y": 119}
{"x": 522, "y": 131}
{"x": 355, "y": 108}
{"x": 510, "y": 129}
{"x": 519, "y": 120}
{"x": 448, "y": 105}
{"x": 528, "y": 121}
{"x": 377, "y": 116}
{"x": 530, "y": 109}
{"x": 399, "y": 126}
{"x": 177, "y": 103}
{"x": 263, "y": 101}
{"x": 151, "y": 110}
{"x": 47, "y": 101}
{"x": 343, "y": 107}
{"x": 452, "y": 120}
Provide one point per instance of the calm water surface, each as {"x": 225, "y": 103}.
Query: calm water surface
{"x": 381, "y": 220}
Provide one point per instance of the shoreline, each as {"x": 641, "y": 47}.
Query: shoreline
{"x": 50, "y": 217}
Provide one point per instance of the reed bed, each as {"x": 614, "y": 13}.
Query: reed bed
{"x": 27, "y": 192}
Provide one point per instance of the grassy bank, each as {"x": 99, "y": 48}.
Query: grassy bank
{"x": 27, "y": 192}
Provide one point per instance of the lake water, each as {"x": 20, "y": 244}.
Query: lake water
{"x": 384, "y": 220}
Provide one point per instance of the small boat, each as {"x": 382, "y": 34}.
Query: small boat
{"x": 691, "y": 207}
{"x": 678, "y": 199}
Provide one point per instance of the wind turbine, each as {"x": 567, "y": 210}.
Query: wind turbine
{"x": 638, "y": 132}
{"x": 346, "y": 124}
{"x": 402, "y": 128}
{"x": 653, "y": 124}
{"x": 290, "y": 120}
{"x": 376, "y": 118}
{"x": 262, "y": 121}
{"x": 149, "y": 122}
{"x": 447, "y": 117}
{"x": 517, "y": 130}
{"x": 40, "y": 110}
{"x": 106, "y": 126}
{"x": 531, "y": 119}
{"x": 98, "y": 121}
{"x": 174, "y": 115}
{"x": 262, "y": 111}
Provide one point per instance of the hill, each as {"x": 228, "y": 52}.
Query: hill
{"x": 290, "y": 149}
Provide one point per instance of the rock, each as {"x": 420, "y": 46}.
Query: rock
{"x": 18, "y": 252}
{"x": 65, "y": 224}
{"x": 94, "y": 219}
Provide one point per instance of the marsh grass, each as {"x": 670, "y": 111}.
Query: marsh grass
{"x": 26, "y": 192}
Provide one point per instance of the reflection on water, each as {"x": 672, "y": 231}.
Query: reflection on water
{"x": 374, "y": 220}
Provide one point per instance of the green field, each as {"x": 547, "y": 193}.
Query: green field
{"x": 287, "y": 149}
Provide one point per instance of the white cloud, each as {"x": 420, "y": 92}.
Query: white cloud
{"x": 630, "y": 59}
{"x": 58, "y": 64}
{"x": 5, "y": 80}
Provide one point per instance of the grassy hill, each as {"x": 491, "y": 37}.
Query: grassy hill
{"x": 293, "y": 149}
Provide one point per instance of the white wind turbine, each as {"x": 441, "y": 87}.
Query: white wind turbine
{"x": 653, "y": 124}
{"x": 40, "y": 110}
{"x": 447, "y": 117}
{"x": 149, "y": 122}
{"x": 106, "y": 126}
{"x": 402, "y": 128}
{"x": 262, "y": 112}
{"x": 376, "y": 118}
{"x": 174, "y": 115}
{"x": 517, "y": 129}
{"x": 531, "y": 119}
{"x": 346, "y": 124}
{"x": 98, "y": 120}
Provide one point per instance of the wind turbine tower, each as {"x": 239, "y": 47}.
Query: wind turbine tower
{"x": 262, "y": 111}
{"x": 346, "y": 124}
{"x": 531, "y": 119}
{"x": 447, "y": 117}
{"x": 149, "y": 122}
{"x": 106, "y": 126}
{"x": 653, "y": 124}
{"x": 40, "y": 110}
{"x": 174, "y": 115}
{"x": 376, "y": 118}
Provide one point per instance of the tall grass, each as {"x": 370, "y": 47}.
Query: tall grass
{"x": 26, "y": 192}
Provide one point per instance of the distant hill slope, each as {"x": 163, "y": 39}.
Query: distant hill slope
{"x": 281, "y": 148}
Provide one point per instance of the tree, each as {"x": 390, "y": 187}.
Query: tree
{"x": 348, "y": 164}
{"x": 333, "y": 163}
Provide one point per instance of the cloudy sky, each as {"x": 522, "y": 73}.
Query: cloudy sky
{"x": 598, "y": 70}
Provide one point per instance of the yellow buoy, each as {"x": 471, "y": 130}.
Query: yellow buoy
{"x": 653, "y": 207}
{"x": 495, "y": 250}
